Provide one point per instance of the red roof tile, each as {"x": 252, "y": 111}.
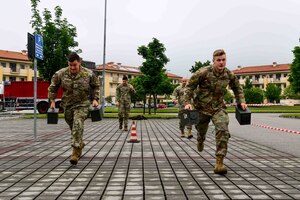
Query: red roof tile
{"x": 4, "y": 54}
{"x": 262, "y": 69}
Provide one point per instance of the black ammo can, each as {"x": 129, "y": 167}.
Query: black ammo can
{"x": 243, "y": 116}
{"x": 52, "y": 116}
{"x": 190, "y": 117}
{"x": 96, "y": 113}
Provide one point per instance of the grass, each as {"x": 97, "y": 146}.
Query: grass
{"x": 295, "y": 115}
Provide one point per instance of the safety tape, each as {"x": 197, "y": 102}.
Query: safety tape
{"x": 277, "y": 129}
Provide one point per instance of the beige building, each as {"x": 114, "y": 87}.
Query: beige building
{"x": 15, "y": 66}
{"x": 264, "y": 74}
{"x": 114, "y": 73}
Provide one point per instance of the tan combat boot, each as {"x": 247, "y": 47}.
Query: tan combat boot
{"x": 182, "y": 132}
{"x": 75, "y": 156}
{"x": 220, "y": 168}
{"x": 190, "y": 135}
{"x": 200, "y": 146}
{"x": 80, "y": 149}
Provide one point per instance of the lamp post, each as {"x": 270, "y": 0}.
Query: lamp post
{"x": 104, "y": 54}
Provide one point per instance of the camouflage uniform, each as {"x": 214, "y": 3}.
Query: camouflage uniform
{"x": 75, "y": 99}
{"x": 207, "y": 88}
{"x": 179, "y": 94}
{"x": 123, "y": 96}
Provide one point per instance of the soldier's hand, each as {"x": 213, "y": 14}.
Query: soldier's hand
{"x": 243, "y": 106}
{"x": 188, "y": 107}
{"x": 52, "y": 105}
{"x": 117, "y": 104}
{"x": 95, "y": 103}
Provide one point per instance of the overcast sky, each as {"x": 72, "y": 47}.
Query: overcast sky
{"x": 256, "y": 32}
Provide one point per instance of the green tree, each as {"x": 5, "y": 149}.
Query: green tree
{"x": 228, "y": 97}
{"x": 152, "y": 68}
{"x": 294, "y": 77}
{"x": 140, "y": 94}
{"x": 253, "y": 95}
{"x": 58, "y": 37}
{"x": 248, "y": 84}
{"x": 273, "y": 92}
{"x": 289, "y": 93}
{"x": 108, "y": 99}
{"x": 198, "y": 65}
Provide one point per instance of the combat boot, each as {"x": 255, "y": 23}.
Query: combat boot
{"x": 125, "y": 128}
{"x": 220, "y": 168}
{"x": 120, "y": 125}
{"x": 182, "y": 132}
{"x": 190, "y": 135}
{"x": 80, "y": 149}
{"x": 75, "y": 156}
{"x": 200, "y": 146}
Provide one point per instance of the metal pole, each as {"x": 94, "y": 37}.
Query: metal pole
{"x": 35, "y": 95}
{"x": 104, "y": 54}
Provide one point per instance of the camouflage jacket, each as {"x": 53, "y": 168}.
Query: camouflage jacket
{"x": 179, "y": 95}
{"x": 76, "y": 89}
{"x": 207, "y": 88}
{"x": 124, "y": 92}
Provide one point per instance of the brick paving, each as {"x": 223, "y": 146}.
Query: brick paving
{"x": 162, "y": 166}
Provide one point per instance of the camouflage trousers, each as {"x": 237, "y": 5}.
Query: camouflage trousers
{"x": 75, "y": 118}
{"x": 123, "y": 114}
{"x": 221, "y": 121}
{"x": 181, "y": 125}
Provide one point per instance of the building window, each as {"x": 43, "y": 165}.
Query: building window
{"x": 256, "y": 77}
{"x": 278, "y": 77}
{"x": 12, "y": 78}
{"x": 284, "y": 75}
{"x": 23, "y": 79}
{"x": 3, "y": 64}
{"x": 271, "y": 75}
{"x": 13, "y": 67}
{"x": 22, "y": 66}
{"x": 129, "y": 76}
{"x": 238, "y": 77}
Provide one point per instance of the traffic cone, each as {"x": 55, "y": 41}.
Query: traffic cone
{"x": 133, "y": 136}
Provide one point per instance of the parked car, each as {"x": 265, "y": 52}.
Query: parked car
{"x": 161, "y": 106}
{"x": 171, "y": 105}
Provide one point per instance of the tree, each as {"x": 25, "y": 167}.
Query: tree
{"x": 273, "y": 92}
{"x": 199, "y": 65}
{"x": 140, "y": 94}
{"x": 253, "y": 95}
{"x": 108, "y": 99}
{"x": 294, "y": 77}
{"x": 58, "y": 37}
{"x": 228, "y": 97}
{"x": 289, "y": 93}
{"x": 152, "y": 68}
{"x": 248, "y": 84}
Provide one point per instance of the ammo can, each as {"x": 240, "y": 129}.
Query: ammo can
{"x": 96, "y": 113}
{"x": 243, "y": 116}
{"x": 52, "y": 116}
{"x": 190, "y": 117}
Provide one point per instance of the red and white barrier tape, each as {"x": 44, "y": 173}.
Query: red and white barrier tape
{"x": 277, "y": 129}
{"x": 262, "y": 104}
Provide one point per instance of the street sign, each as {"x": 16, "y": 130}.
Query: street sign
{"x": 38, "y": 46}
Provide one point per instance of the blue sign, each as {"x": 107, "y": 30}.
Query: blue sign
{"x": 38, "y": 46}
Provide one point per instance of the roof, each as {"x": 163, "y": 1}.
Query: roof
{"x": 117, "y": 67}
{"x": 263, "y": 69}
{"x": 11, "y": 55}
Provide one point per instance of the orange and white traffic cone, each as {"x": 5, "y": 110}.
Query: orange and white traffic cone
{"x": 133, "y": 136}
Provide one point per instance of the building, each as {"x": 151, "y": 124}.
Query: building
{"x": 15, "y": 66}
{"x": 264, "y": 74}
{"x": 114, "y": 73}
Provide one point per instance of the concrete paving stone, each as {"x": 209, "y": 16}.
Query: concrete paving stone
{"x": 8, "y": 194}
{"x": 154, "y": 192}
{"x": 133, "y": 192}
{"x": 113, "y": 192}
{"x": 218, "y": 196}
{"x": 88, "y": 197}
{"x": 155, "y": 197}
{"x": 196, "y": 197}
{"x": 111, "y": 197}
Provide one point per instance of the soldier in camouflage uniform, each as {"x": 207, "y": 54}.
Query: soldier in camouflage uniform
{"x": 179, "y": 95}
{"x": 207, "y": 88}
{"x": 76, "y": 82}
{"x": 123, "y": 99}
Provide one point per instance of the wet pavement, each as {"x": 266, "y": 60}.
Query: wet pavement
{"x": 161, "y": 166}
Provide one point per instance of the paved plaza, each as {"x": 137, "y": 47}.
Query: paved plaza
{"x": 161, "y": 166}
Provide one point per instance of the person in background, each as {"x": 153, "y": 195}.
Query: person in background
{"x": 179, "y": 95}
{"x": 76, "y": 82}
{"x": 123, "y": 101}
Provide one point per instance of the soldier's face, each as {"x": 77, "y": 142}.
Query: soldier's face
{"x": 74, "y": 67}
{"x": 219, "y": 62}
{"x": 184, "y": 82}
{"x": 125, "y": 82}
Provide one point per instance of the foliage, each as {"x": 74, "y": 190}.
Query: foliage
{"x": 273, "y": 92}
{"x": 58, "y": 37}
{"x": 248, "y": 84}
{"x": 289, "y": 93}
{"x": 153, "y": 68}
{"x": 108, "y": 99}
{"x": 140, "y": 93}
{"x": 228, "y": 97}
{"x": 294, "y": 77}
{"x": 199, "y": 65}
{"x": 253, "y": 95}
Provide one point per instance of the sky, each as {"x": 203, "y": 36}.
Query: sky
{"x": 256, "y": 32}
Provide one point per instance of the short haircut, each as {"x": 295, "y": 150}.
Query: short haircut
{"x": 124, "y": 78}
{"x": 74, "y": 56}
{"x": 218, "y": 52}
